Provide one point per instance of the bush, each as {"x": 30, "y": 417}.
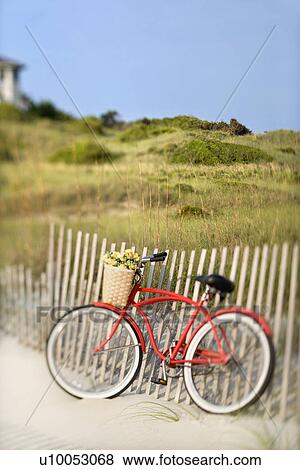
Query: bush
{"x": 83, "y": 152}
{"x": 236, "y": 128}
{"x": 46, "y": 109}
{"x": 288, "y": 150}
{"x": 212, "y": 152}
{"x": 9, "y": 112}
{"x": 150, "y": 127}
{"x": 111, "y": 119}
{"x": 89, "y": 121}
{"x": 141, "y": 130}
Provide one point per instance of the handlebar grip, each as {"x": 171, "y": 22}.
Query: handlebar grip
{"x": 158, "y": 258}
{"x": 155, "y": 257}
{"x": 162, "y": 254}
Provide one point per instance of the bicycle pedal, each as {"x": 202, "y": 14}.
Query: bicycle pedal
{"x": 158, "y": 381}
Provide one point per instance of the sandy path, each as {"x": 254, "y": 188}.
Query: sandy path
{"x": 61, "y": 421}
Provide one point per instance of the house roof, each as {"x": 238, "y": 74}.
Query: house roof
{"x": 6, "y": 61}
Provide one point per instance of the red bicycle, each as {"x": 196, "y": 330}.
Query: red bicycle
{"x": 227, "y": 359}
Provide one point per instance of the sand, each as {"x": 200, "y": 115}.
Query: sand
{"x": 57, "y": 420}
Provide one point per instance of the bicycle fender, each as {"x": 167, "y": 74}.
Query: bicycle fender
{"x": 249, "y": 313}
{"x": 128, "y": 318}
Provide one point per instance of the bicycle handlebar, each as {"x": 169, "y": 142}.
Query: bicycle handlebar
{"x": 155, "y": 257}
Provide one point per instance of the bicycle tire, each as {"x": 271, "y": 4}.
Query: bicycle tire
{"x": 110, "y": 393}
{"x": 256, "y": 392}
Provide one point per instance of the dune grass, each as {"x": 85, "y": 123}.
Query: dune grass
{"x": 144, "y": 199}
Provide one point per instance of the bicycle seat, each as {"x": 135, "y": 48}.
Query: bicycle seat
{"x": 220, "y": 283}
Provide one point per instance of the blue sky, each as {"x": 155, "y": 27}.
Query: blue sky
{"x": 161, "y": 57}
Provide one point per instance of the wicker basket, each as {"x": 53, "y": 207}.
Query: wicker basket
{"x": 117, "y": 285}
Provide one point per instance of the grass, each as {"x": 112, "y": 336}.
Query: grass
{"x": 144, "y": 199}
{"x": 153, "y": 411}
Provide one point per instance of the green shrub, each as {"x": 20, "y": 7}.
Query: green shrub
{"x": 212, "y": 152}
{"x": 83, "y": 152}
{"x": 236, "y": 128}
{"x": 146, "y": 128}
{"x": 111, "y": 119}
{"x": 288, "y": 150}
{"x": 141, "y": 130}
{"x": 9, "y": 112}
{"x": 46, "y": 109}
{"x": 88, "y": 122}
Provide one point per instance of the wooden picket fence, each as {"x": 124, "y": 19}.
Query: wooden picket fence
{"x": 266, "y": 279}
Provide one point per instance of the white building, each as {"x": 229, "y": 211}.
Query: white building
{"x": 10, "y": 91}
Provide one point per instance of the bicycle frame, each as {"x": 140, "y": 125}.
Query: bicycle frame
{"x": 207, "y": 356}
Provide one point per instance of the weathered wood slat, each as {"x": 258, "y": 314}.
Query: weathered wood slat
{"x": 89, "y": 286}
{"x": 140, "y": 379}
{"x": 67, "y": 267}
{"x": 196, "y": 290}
{"x": 221, "y": 271}
{"x": 289, "y": 334}
{"x": 177, "y": 288}
{"x": 50, "y": 265}
{"x": 271, "y": 281}
{"x": 298, "y": 379}
{"x": 29, "y": 306}
{"x": 181, "y": 318}
{"x": 21, "y": 296}
{"x": 73, "y": 286}
{"x": 242, "y": 280}
{"x": 74, "y": 276}
{"x": 58, "y": 271}
{"x": 262, "y": 278}
{"x": 98, "y": 284}
{"x": 160, "y": 326}
{"x": 280, "y": 292}
{"x": 84, "y": 260}
{"x": 233, "y": 270}
{"x": 253, "y": 277}
{"x": 168, "y": 287}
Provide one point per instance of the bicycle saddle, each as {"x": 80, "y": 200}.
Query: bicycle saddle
{"x": 220, "y": 283}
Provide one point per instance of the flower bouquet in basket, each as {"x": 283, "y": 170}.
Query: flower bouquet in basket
{"x": 119, "y": 271}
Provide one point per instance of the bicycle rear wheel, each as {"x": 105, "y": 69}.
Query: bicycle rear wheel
{"x": 73, "y": 362}
{"x": 229, "y": 388}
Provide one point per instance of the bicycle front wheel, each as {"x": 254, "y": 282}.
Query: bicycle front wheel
{"x": 228, "y": 388}
{"x": 74, "y": 363}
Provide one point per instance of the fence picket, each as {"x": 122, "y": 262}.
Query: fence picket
{"x": 80, "y": 290}
{"x": 262, "y": 278}
{"x": 177, "y": 288}
{"x": 289, "y": 334}
{"x": 57, "y": 282}
{"x": 67, "y": 267}
{"x": 89, "y": 286}
{"x": 50, "y": 265}
{"x": 271, "y": 281}
{"x": 298, "y": 379}
{"x": 280, "y": 292}
{"x": 100, "y": 271}
{"x": 181, "y": 318}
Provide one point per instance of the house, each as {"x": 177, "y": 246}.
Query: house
{"x": 10, "y": 91}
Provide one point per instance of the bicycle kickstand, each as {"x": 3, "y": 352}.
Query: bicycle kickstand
{"x": 161, "y": 379}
